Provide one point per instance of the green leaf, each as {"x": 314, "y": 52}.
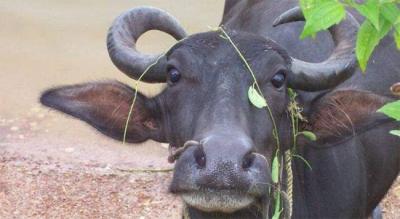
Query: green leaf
{"x": 309, "y": 135}
{"x": 309, "y": 5}
{"x": 277, "y": 212}
{"x": 322, "y": 16}
{"x": 392, "y": 110}
{"x": 390, "y": 12}
{"x": 395, "y": 132}
{"x": 275, "y": 170}
{"x": 370, "y": 10}
{"x": 397, "y": 25}
{"x": 387, "y": 1}
{"x": 255, "y": 98}
{"x": 386, "y": 26}
{"x": 292, "y": 94}
{"x": 397, "y": 38}
{"x": 276, "y": 215}
{"x": 396, "y": 32}
{"x": 367, "y": 39}
{"x": 277, "y": 208}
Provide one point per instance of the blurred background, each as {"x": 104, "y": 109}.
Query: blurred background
{"x": 53, "y": 166}
{"x": 46, "y": 43}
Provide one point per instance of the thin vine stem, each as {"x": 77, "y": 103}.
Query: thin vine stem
{"x": 144, "y": 170}
{"x": 136, "y": 91}
{"x": 277, "y": 210}
{"x": 256, "y": 83}
{"x": 134, "y": 98}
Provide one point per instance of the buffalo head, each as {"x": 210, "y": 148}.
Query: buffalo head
{"x": 228, "y": 142}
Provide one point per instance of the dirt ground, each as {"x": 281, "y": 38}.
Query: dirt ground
{"x": 52, "y": 166}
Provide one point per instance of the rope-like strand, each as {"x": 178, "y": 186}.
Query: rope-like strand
{"x": 174, "y": 155}
{"x": 289, "y": 181}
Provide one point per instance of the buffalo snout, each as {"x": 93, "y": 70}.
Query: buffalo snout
{"x": 222, "y": 173}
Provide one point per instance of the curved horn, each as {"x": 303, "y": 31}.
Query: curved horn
{"x": 124, "y": 33}
{"x": 340, "y": 65}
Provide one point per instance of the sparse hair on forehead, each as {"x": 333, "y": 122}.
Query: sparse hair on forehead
{"x": 272, "y": 45}
{"x": 214, "y": 37}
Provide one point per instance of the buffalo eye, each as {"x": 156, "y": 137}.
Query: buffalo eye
{"x": 173, "y": 75}
{"x": 278, "y": 79}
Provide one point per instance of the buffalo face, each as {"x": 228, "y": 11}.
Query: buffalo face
{"x": 205, "y": 101}
{"x": 227, "y": 169}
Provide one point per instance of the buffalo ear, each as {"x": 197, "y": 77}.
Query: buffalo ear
{"x": 345, "y": 113}
{"x": 105, "y": 106}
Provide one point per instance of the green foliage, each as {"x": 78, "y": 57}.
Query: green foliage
{"x": 295, "y": 116}
{"x": 368, "y": 38}
{"x": 275, "y": 169}
{"x": 255, "y": 98}
{"x": 277, "y": 209}
{"x": 397, "y": 38}
{"x": 381, "y": 16}
{"x": 395, "y": 132}
{"x": 275, "y": 179}
{"x": 370, "y": 9}
{"x": 392, "y": 110}
{"x": 390, "y": 12}
{"x": 309, "y": 135}
{"x": 323, "y": 15}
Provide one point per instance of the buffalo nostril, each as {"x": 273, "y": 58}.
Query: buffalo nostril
{"x": 200, "y": 157}
{"x": 248, "y": 160}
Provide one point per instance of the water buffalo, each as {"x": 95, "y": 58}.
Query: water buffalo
{"x": 226, "y": 144}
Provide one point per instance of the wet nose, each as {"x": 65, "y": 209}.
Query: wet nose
{"x": 234, "y": 157}
{"x": 227, "y": 163}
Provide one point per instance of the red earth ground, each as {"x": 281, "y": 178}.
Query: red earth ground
{"x": 53, "y": 178}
